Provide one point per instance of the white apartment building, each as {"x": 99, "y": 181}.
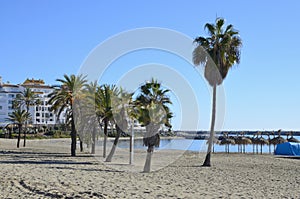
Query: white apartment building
{"x": 8, "y": 93}
{"x": 40, "y": 113}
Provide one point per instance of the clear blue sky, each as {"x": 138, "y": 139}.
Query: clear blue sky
{"x": 46, "y": 39}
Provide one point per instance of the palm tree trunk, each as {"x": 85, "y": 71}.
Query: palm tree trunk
{"x": 105, "y": 137}
{"x": 27, "y": 111}
{"x": 10, "y": 133}
{"x": 19, "y": 136}
{"x": 81, "y": 145}
{"x": 148, "y": 159}
{"x": 113, "y": 149}
{"x": 24, "y": 144}
{"x": 73, "y": 138}
{"x": 212, "y": 127}
{"x": 94, "y": 141}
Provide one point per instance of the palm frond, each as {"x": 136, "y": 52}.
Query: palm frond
{"x": 211, "y": 28}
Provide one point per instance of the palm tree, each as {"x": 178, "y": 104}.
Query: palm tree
{"x": 66, "y": 98}
{"x": 19, "y": 117}
{"x": 152, "y": 111}
{"x": 217, "y": 53}
{"x": 104, "y": 108}
{"x": 89, "y": 117}
{"x": 121, "y": 110}
{"x": 25, "y": 99}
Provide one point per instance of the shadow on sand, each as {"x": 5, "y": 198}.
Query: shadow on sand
{"x": 21, "y": 157}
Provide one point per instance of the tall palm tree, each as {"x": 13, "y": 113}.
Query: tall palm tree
{"x": 120, "y": 108}
{"x": 19, "y": 117}
{"x": 217, "y": 53}
{"x": 152, "y": 111}
{"x": 25, "y": 99}
{"x": 103, "y": 102}
{"x": 66, "y": 98}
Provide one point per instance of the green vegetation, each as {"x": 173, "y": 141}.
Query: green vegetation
{"x": 24, "y": 100}
{"x": 19, "y": 117}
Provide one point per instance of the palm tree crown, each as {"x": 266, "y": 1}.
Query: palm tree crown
{"x": 103, "y": 101}
{"x": 121, "y": 109}
{"x": 222, "y": 45}
{"x": 18, "y": 116}
{"x": 25, "y": 99}
{"x": 70, "y": 91}
{"x": 152, "y": 108}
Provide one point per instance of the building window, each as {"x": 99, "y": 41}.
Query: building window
{"x": 10, "y": 108}
{"x": 37, "y": 120}
{"x": 10, "y": 101}
{"x": 37, "y": 114}
{"x": 0, "y": 107}
{"x": 11, "y": 95}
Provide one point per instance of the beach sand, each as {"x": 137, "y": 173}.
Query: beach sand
{"x": 44, "y": 169}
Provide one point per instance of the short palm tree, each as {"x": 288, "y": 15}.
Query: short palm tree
{"x": 217, "y": 53}
{"x": 23, "y": 100}
{"x": 88, "y": 121}
{"x": 103, "y": 103}
{"x": 121, "y": 102}
{"x": 152, "y": 111}
{"x": 66, "y": 98}
{"x": 19, "y": 117}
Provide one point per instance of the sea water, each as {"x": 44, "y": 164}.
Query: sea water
{"x": 197, "y": 145}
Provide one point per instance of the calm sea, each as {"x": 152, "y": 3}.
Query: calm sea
{"x": 195, "y": 145}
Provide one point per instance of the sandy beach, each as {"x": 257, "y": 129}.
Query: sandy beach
{"x": 44, "y": 169}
